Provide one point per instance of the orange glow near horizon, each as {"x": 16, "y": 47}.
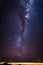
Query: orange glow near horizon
{"x": 22, "y": 63}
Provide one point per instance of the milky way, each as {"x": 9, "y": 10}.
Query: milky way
{"x": 21, "y": 30}
{"x": 20, "y": 42}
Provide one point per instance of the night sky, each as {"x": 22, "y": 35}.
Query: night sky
{"x": 21, "y": 30}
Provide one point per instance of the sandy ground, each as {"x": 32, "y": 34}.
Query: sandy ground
{"x": 20, "y": 63}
